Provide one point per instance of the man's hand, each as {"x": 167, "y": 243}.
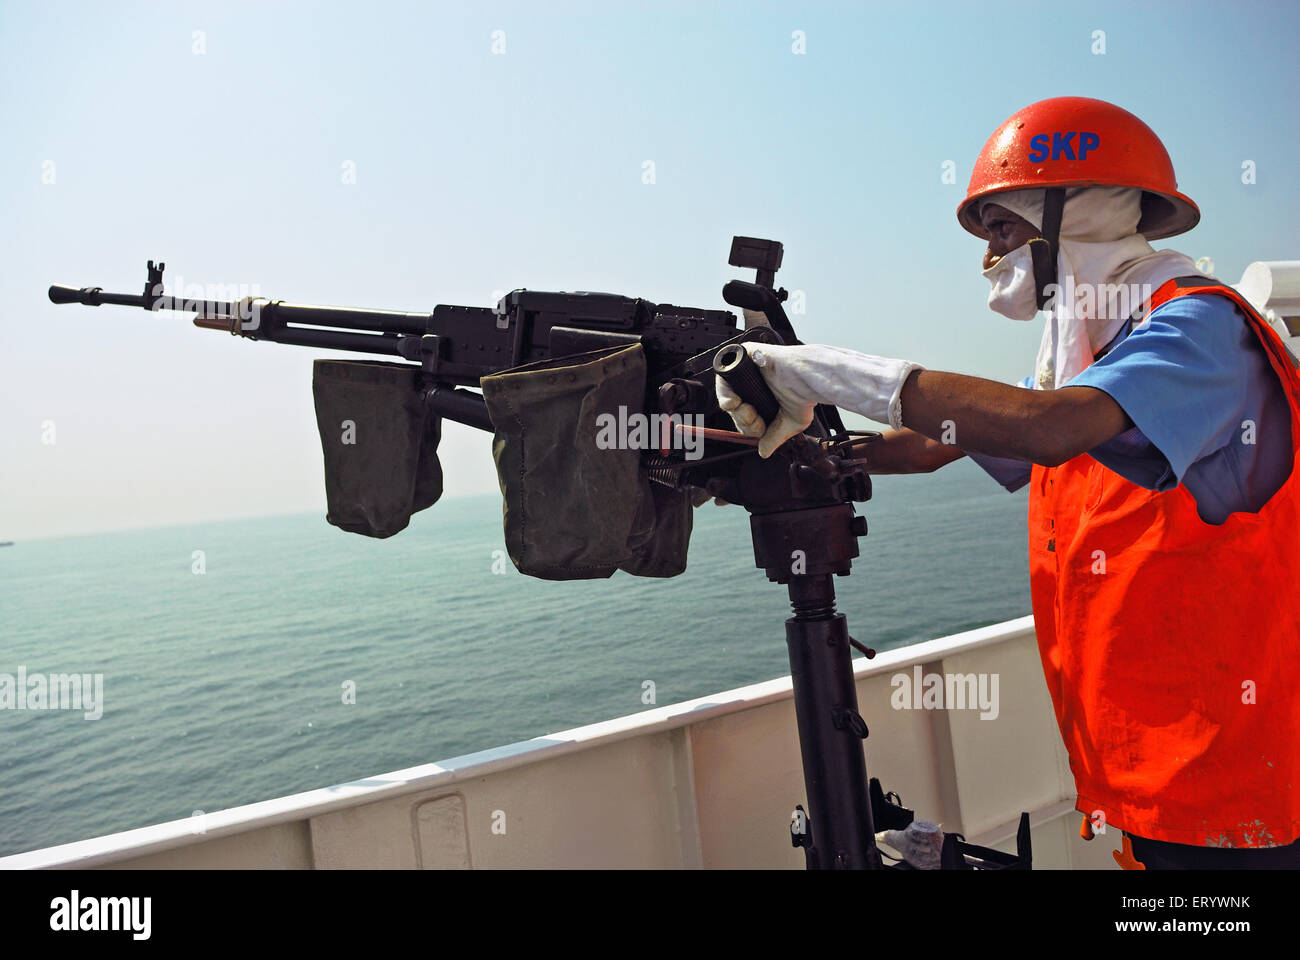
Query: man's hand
{"x": 800, "y": 377}
{"x": 794, "y": 418}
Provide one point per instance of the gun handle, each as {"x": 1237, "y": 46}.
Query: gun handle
{"x": 734, "y": 365}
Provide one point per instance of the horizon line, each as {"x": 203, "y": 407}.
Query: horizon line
{"x": 321, "y": 512}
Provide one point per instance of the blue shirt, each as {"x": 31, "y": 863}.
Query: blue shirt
{"x": 1208, "y": 410}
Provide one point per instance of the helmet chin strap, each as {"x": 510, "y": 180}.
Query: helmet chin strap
{"x": 1043, "y": 249}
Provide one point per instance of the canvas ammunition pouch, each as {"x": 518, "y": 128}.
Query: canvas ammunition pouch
{"x": 380, "y": 444}
{"x": 578, "y": 504}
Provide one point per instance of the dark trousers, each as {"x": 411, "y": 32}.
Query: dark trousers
{"x": 1159, "y": 855}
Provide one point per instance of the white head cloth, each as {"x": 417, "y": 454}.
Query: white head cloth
{"x": 1106, "y": 271}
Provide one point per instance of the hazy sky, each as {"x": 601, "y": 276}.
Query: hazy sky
{"x": 223, "y": 153}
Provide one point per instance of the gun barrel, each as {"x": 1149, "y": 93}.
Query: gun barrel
{"x": 347, "y": 318}
{"x": 295, "y": 324}
{"x": 93, "y": 296}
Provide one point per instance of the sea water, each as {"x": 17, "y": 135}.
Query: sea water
{"x": 252, "y": 659}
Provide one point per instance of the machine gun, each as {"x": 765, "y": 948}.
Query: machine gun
{"x": 800, "y": 499}
{"x": 455, "y": 346}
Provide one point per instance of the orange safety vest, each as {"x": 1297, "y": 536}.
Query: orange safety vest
{"x": 1171, "y": 646}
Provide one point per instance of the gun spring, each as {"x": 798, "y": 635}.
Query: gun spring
{"x": 661, "y": 469}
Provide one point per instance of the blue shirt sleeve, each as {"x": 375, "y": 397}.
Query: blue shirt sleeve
{"x": 1182, "y": 377}
{"x": 1210, "y": 412}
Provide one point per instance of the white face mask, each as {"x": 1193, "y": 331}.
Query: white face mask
{"x": 1014, "y": 292}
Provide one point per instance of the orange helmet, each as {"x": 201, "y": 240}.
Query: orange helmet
{"x": 1078, "y": 142}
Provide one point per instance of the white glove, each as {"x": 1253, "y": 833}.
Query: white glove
{"x": 801, "y": 377}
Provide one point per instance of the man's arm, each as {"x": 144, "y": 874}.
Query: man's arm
{"x": 981, "y": 416}
{"x": 906, "y": 451}
{"x": 1047, "y": 427}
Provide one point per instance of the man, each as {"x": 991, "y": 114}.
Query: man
{"x": 1156, "y": 436}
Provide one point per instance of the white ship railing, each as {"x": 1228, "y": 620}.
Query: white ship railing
{"x": 707, "y": 783}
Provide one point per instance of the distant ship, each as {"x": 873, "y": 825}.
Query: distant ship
{"x": 6, "y": 543}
